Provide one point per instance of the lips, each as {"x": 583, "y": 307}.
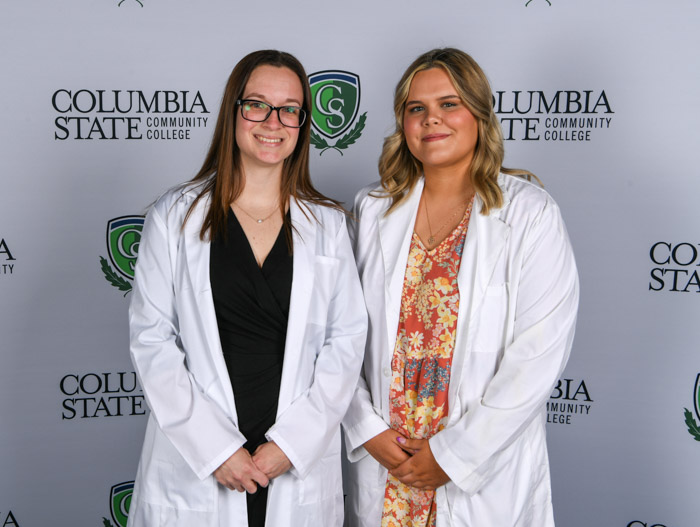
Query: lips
{"x": 434, "y": 137}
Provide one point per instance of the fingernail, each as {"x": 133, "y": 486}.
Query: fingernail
{"x": 401, "y": 440}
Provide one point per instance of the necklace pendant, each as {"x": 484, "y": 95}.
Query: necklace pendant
{"x": 260, "y": 221}
{"x": 431, "y": 240}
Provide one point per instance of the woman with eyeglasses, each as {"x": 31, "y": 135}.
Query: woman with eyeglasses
{"x": 472, "y": 293}
{"x": 247, "y": 323}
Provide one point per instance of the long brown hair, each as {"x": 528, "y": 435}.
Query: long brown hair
{"x": 220, "y": 174}
{"x": 400, "y": 171}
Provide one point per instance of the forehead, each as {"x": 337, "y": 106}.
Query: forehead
{"x": 272, "y": 82}
{"x": 433, "y": 82}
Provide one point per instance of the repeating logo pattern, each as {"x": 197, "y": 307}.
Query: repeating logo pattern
{"x": 6, "y": 268}
{"x": 690, "y": 421}
{"x": 570, "y": 397}
{"x": 546, "y": 115}
{"x": 119, "y": 504}
{"x": 123, "y": 238}
{"x": 132, "y": 115}
{"x": 335, "y": 97}
{"x": 101, "y": 394}
{"x": 676, "y": 267}
{"x": 9, "y": 519}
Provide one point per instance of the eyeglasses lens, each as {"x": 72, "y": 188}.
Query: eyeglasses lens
{"x": 292, "y": 116}
{"x": 255, "y": 111}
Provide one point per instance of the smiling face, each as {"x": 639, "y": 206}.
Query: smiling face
{"x": 267, "y": 144}
{"x": 440, "y": 130}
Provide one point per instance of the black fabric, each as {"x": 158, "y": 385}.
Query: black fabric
{"x": 252, "y": 309}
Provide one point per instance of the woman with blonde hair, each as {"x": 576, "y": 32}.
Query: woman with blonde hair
{"x": 247, "y": 323}
{"x": 472, "y": 293}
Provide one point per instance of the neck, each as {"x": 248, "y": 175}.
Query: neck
{"x": 447, "y": 184}
{"x": 261, "y": 186}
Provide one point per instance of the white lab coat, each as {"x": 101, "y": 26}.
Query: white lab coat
{"x": 518, "y": 300}
{"x": 177, "y": 354}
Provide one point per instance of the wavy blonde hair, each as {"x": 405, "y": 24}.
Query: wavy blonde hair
{"x": 400, "y": 171}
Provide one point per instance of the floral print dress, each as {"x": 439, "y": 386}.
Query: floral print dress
{"x": 422, "y": 362}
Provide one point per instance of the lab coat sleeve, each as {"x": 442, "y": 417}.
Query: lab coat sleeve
{"x": 361, "y": 198}
{"x": 197, "y": 427}
{"x": 304, "y": 430}
{"x": 361, "y": 422}
{"x": 545, "y": 316}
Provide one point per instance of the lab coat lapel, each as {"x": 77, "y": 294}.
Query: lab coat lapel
{"x": 197, "y": 253}
{"x": 395, "y": 232}
{"x": 486, "y": 238}
{"x": 304, "y": 240}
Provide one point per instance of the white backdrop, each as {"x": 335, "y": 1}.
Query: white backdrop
{"x": 71, "y": 417}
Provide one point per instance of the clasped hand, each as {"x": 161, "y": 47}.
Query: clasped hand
{"x": 409, "y": 460}
{"x": 243, "y": 472}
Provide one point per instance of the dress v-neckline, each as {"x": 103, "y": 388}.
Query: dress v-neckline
{"x": 251, "y": 252}
{"x": 451, "y": 235}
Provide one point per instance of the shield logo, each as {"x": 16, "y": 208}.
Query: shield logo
{"x": 335, "y": 97}
{"x": 120, "y": 501}
{"x": 123, "y": 237}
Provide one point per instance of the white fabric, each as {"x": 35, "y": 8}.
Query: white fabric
{"x": 518, "y": 300}
{"x": 176, "y": 351}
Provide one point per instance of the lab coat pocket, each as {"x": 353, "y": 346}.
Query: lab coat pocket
{"x": 502, "y": 498}
{"x": 172, "y": 483}
{"x": 325, "y": 277}
{"x": 490, "y": 334}
{"x": 183, "y": 490}
{"x": 323, "y": 482}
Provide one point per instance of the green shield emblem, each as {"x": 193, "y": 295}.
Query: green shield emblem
{"x": 123, "y": 237}
{"x": 335, "y": 97}
{"x": 120, "y": 501}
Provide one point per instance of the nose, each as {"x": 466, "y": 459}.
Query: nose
{"x": 273, "y": 120}
{"x": 432, "y": 116}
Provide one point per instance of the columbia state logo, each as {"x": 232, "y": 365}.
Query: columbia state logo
{"x": 690, "y": 421}
{"x": 335, "y": 97}
{"x": 123, "y": 238}
{"x": 119, "y": 504}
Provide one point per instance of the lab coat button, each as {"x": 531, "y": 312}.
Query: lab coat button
{"x": 387, "y": 372}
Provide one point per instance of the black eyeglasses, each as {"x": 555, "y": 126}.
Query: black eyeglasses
{"x": 258, "y": 111}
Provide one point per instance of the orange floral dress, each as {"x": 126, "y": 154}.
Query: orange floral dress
{"x": 422, "y": 362}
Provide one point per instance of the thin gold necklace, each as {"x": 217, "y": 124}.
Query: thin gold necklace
{"x": 257, "y": 220}
{"x": 431, "y": 239}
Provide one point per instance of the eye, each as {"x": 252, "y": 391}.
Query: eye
{"x": 256, "y": 105}
{"x": 415, "y": 109}
{"x": 290, "y": 109}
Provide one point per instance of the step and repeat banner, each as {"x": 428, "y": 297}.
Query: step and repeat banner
{"x": 107, "y": 103}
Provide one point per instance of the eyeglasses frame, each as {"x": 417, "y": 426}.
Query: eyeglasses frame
{"x": 239, "y": 102}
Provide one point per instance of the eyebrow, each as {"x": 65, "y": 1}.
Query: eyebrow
{"x": 261, "y": 96}
{"x": 443, "y": 98}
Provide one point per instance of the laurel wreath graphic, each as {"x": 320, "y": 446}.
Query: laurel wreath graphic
{"x": 348, "y": 139}
{"x": 106, "y": 522}
{"x": 113, "y": 278}
{"x": 122, "y": 1}
{"x": 526, "y": 3}
{"x": 693, "y": 427}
